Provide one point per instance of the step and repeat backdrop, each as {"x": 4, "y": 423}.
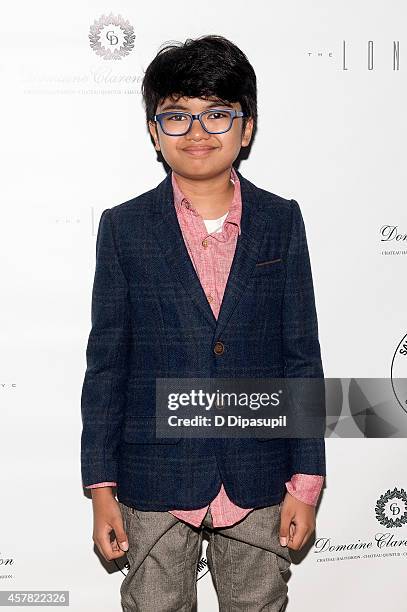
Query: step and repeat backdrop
{"x": 331, "y": 134}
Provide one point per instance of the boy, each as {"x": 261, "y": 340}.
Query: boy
{"x": 205, "y": 275}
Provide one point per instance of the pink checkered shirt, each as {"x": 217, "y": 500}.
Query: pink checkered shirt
{"x": 212, "y": 255}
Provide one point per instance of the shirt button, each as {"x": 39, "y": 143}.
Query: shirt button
{"x": 205, "y": 243}
{"x": 210, "y": 298}
{"x": 219, "y": 348}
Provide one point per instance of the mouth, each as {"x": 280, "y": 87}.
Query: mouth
{"x": 199, "y": 151}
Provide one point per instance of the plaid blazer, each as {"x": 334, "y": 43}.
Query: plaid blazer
{"x": 151, "y": 318}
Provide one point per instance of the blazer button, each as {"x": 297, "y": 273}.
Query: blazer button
{"x": 219, "y": 348}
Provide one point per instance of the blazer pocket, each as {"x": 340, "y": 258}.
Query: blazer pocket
{"x": 268, "y": 261}
{"x": 142, "y": 430}
{"x": 268, "y": 267}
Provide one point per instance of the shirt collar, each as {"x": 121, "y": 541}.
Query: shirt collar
{"x": 235, "y": 210}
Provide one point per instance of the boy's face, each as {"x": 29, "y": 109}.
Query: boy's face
{"x": 198, "y": 154}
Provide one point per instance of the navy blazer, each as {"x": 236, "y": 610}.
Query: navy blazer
{"x": 151, "y": 318}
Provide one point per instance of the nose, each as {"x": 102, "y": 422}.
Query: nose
{"x": 196, "y": 131}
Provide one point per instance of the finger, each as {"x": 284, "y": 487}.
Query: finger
{"x": 105, "y": 545}
{"x": 121, "y": 536}
{"x": 298, "y": 537}
{"x": 285, "y": 520}
{"x": 304, "y": 539}
{"x": 116, "y": 549}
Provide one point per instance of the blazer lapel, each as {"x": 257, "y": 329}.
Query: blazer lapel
{"x": 253, "y": 227}
{"x": 169, "y": 237}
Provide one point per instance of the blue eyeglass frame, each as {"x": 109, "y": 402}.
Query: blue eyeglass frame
{"x": 233, "y": 115}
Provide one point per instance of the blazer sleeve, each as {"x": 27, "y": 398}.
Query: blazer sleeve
{"x": 104, "y": 386}
{"x": 301, "y": 349}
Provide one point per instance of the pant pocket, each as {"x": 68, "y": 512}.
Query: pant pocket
{"x": 283, "y": 559}
{"x": 124, "y": 512}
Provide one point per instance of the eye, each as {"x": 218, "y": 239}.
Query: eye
{"x": 176, "y": 117}
{"x": 218, "y": 115}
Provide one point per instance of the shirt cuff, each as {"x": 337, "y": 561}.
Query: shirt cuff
{"x": 306, "y": 487}
{"x": 101, "y": 484}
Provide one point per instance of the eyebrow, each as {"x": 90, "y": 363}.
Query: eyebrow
{"x": 212, "y": 104}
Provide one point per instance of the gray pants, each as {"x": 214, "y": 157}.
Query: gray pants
{"x": 246, "y": 561}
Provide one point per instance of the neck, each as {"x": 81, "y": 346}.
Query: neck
{"x": 210, "y": 197}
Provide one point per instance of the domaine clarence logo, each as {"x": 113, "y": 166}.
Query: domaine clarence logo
{"x": 391, "y": 512}
{"x": 111, "y": 37}
{"x": 391, "y": 508}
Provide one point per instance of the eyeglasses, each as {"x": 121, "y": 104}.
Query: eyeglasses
{"x": 213, "y": 121}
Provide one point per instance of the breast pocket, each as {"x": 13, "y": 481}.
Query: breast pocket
{"x": 269, "y": 267}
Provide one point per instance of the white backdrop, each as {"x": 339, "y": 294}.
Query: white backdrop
{"x": 332, "y": 128}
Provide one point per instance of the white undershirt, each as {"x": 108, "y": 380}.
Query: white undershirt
{"x": 215, "y": 225}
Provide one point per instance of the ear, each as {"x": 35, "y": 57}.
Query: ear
{"x": 248, "y": 131}
{"x": 152, "y": 126}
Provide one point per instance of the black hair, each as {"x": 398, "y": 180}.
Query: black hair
{"x": 203, "y": 67}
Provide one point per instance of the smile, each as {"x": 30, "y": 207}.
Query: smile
{"x": 199, "y": 151}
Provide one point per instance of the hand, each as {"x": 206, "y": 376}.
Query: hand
{"x": 297, "y": 522}
{"x": 107, "y": 517}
